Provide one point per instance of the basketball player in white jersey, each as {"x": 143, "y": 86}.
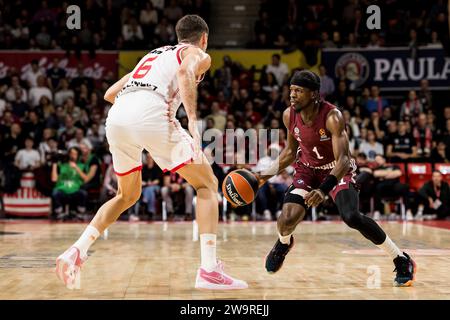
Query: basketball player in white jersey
{"x": 142, "y": 117}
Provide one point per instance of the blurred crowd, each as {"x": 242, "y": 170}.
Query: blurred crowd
{"x": 52, "y": 123}
{"x": 106, "y": 24}
{"x": 310, "y": 24}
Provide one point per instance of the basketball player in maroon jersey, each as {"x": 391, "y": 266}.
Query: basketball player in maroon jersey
{"x": 318, "y": 143}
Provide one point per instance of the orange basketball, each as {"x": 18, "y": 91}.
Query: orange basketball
{"x": 239, "y": 187}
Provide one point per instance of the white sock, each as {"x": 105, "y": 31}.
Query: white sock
{"x": 389, "y": 247}
{"x": 285, "y": 239}
{"x": 208, "y": 251}
{"x": 86, "y": 239}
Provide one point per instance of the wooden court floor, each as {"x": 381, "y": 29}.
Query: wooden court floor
{"x": 159, "y": 261}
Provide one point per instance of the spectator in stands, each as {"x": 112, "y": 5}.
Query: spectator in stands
{"x": 63, "y": 92}
{"x": 41, "y": 89}
{"x": 32, "y": 74}
{"x": 175, "y": 186}
{"x": 43, "y": 38}
{"x": 68, "y": 182}
{"x": 388, "y": 185}
{"x": 151, "y": 181}
{"x": 371, "y": 147}
{"x": 18, "y": 105}
{"x": 411, "y": 108}
{"x": 326, "y": 83}
{"x": 441, "y": 153}
{"x": 67, "y": 131}
{"x": 91, "y": 173}
{"x": 46, "y": 108}
{"x": 325, "y": 40}
{"x": 376, "y": 103}
{"x": 11, "y": 92}
{"x": 401, "y": 147}
{"x": 435, "y": 198}
{"x": 132, "y": 34}
{"x": 13, "y": 142}
{"x": 165, "y": 32}
{"x": 375, "y": 124}
{"x": 55, "y": 74}
{"x": 218, "y": 116}
{"x": 33, "y": 126}
{"x": 20, "y": 34}
{"x": 148, "y": 18}
{"x": 78, "y": 139}
{"x": 423, "y": 136}
{"x": 173, "y": 12}
{"x": 268, "y": 83}
{"x": 48, "y": 145}
{"x": 425, "y": 95}
{"x": 27, "y": 159}
{"x": 279, "y": 69}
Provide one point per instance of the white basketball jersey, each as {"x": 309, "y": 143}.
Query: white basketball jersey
{"x": 157, "y": 71}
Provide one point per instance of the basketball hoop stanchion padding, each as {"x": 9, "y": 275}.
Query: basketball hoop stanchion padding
{"x": 254, "y": 211}
{"x": 164, "y": 211}
{"x": 313, "y": 214}
{"x": 224, "y": 209}
{"x": 194, "y": 221}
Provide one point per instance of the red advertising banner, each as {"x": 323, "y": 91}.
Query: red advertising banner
{"x": 96, "y": 67}
{"x": 27, "y": 201}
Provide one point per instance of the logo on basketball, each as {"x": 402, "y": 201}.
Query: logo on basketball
{"x": 355, "y": 66}
{"x": 239, "y": 187}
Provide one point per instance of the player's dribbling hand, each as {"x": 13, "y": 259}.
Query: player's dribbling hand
{"x": 261, "y": 181}
{"x": 314, "y": 198}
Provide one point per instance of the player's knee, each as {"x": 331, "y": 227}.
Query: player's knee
{"x": 353, "y": 219}
{"x": 211, "y": 184}
{"x": 289, "y": 218}
{"x": 129, "y": 198}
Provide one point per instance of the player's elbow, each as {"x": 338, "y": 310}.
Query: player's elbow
{"x": 109, "y": 96}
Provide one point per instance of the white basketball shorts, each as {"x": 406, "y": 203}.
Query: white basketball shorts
{"x": 138, "y": 120}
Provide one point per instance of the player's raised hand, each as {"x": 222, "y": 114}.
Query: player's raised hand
{"x": 314, "y": 198}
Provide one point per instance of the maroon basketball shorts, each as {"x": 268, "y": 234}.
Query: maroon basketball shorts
{"x": 307, "y": 179}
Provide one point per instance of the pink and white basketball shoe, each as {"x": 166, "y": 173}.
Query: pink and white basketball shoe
{"x": 68, "y": 268}
{"x": 217, "y": 280}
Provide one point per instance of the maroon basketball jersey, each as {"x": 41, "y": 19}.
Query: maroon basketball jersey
{"x": 315, "y": 146}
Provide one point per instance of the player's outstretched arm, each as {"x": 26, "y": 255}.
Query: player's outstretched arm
{"x": 286, "y": 157}
{"x": 111, "y": 93}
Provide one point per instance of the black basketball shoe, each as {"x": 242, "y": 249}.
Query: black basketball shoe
{"x": 275, "y": 258}
{"x": 406, "y": 270}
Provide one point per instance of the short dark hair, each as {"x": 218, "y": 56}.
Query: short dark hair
{"x": 190, "y": 28}
{"x": 307, "y": 79}
{"x": 276, "y": 55}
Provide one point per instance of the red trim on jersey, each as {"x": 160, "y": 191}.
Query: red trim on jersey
{"x": 179, "y": 53}
{"x": 128, "y": 172}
